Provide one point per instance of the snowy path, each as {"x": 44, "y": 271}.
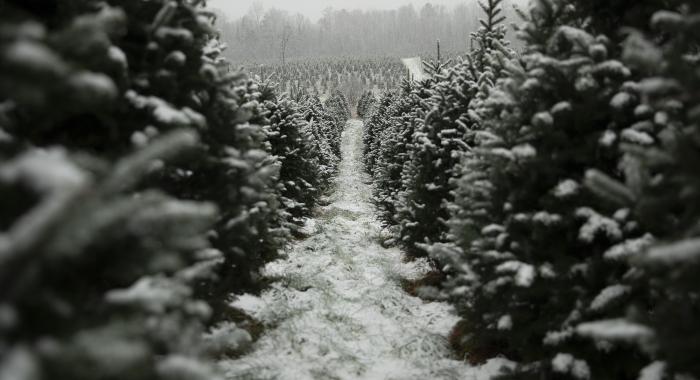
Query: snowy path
{"x": 338, "y": 310}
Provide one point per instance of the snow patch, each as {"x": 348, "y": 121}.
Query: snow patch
{"x": 636, "y": 137}
{"x": 555, "y": 338}
{"x": 154, "y": 294}
{"x": 95, "y": 85}
{"x": 566, "y": 188}
{"x": 608, "y": 295}
{"x": 615, "y": 330}
{"x": 35, "y": 57}
{"x": 524, "y": 151}
{"x": 185, "y": 368}
{"x": 546, "y": 218}
{"x": 505, "y": 323}
{"x": 567, "y": 364}
{"x": 608, "y": 139}
{"x": 524, "y": 273}
{"x": 164, "y": 112}
{"x": 44, "y": 171}
{"x": 629, "y": 248}
{"x": 227, "y": 337}
{"x": 596, "y": 225}
{"x": 654, "y": 371}
{"x": 621, "y": 101}
{"x": 677, "y": 253}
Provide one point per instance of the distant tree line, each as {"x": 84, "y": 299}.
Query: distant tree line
{"x": 275, "y": 35}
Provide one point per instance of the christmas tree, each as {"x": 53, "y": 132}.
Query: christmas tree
{"x": 661, "y": 184}
{"x": 137, "y": 204}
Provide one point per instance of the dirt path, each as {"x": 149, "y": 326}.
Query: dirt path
{"x": 338, "y": 310}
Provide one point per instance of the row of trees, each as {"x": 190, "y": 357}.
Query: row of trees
{"x": 365, "y": 104}
{"x": 142, "y": 183}
{"x": 275, "y": 35}
{"x": 325, "y": 76}
{"x": 557, "y": 189}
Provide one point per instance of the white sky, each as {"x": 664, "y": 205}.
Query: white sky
{"x": 314, "y": 8}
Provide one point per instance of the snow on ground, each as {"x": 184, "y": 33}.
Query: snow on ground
{"x": 338, "y": 311}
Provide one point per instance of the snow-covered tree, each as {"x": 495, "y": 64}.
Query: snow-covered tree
{"x": 325, "y": 131}
{"x": 97, "y": 280}
{"x": 529, "y": 263}
{"x": 366, "y": 104}
{"x": 374, "y": 125}
{"x": 141, "y": 186}
{"x": 446, "y": 134}
{"x": 338, "y": 107}
{"x": 663, "y": 188}
{"x": 396, "y": 126}
{"x": 291, "y": 142}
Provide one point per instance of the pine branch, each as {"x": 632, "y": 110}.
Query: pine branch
{"x": 493, "y": 12}
{"x": 130, "y": 170}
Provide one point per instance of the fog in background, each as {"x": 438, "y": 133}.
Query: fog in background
{"x": 277, "y": 31}
{"x": 313, "y": 9}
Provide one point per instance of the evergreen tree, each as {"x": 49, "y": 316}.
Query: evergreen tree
{"x": 291, "y": 142}
{"x": 158, "y": 69}
{"x": 325, "y": 135}
{"x": 366, "y": 104}
{"x": 446, "y": 134}
{"x": 338, "y": 106}
{"x": 97, "y": 281}
{"x": 663, "y": 188}
{"x": 531, "y": 239}
{"x": 392, "y": 148}
{"x": 106, "y": 273}
{"x": 389, "y": 139}
{"x": 375, "y": 123}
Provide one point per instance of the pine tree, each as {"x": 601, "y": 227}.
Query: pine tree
{"x": 531, "y": 238}
{"x": 338, "y": 106}
{"x": 136, "y": 205}
{"x": 392, "y": 146}
{"x": 291, "y": 143}
{"x": 663, "y": 188}
{"x": 77, "y": 239}
{"x": 389, "y": 139}
{"x": 325, "y": 134}
{"x": 428, "y": 167}
{"x": 376, "y": 122}
{"x": 446, "y": 134}
{"x": 366, "y": 104}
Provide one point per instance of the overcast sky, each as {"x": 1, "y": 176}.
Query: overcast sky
{"x": 313, "y": 8}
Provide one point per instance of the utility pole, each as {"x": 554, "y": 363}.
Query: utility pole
{"x": 438, "y": 52}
